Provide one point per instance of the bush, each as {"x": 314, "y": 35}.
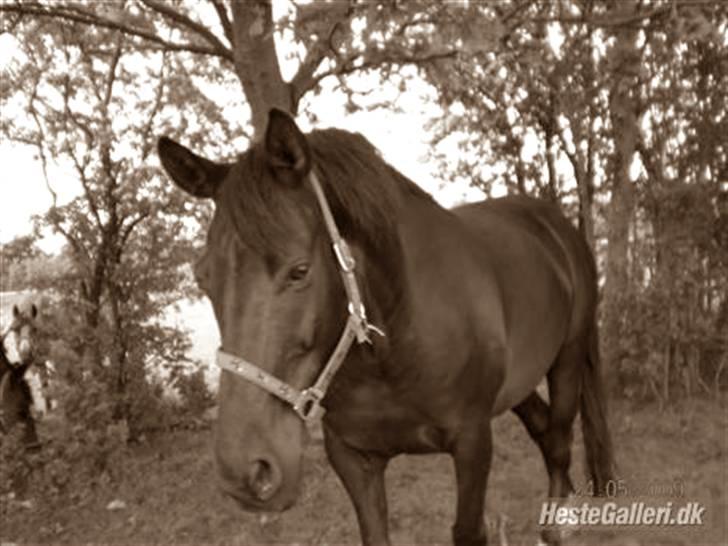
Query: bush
{"x": 99, "y": 410}
{"x": 195, "y": 395}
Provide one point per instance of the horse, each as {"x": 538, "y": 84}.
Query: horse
{"x": 343, "y": 291}
{"x": 25, "y": 329}
{"x": 16, "y": 398}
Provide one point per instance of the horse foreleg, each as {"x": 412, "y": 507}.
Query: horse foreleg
{"x": 472, "y": 456}
{"x": 363, "y": 477}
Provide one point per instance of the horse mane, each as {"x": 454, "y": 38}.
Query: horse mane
{"x": 364, "y": 192}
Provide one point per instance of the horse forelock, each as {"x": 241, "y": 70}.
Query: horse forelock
{"x": 364, "y": 193}
{"x": 251, "y": 207}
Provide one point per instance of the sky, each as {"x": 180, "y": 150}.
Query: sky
{"x": 23, "y": 192}
{"x": 401, "y": 137}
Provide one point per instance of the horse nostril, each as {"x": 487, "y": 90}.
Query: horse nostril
{"x": 264, "y": 479}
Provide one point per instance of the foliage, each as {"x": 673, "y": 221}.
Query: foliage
{"x": 18, "y": 258}
{"x": 194, "y": 392}
{"x": 90, "y": 393}
{"x": 19, "y": 249}
{"x": 87, "y": 447}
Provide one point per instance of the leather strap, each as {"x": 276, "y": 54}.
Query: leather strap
{"x": 307, "y": 402}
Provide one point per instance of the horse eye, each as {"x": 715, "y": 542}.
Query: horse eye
{"x": 298, "y": 272}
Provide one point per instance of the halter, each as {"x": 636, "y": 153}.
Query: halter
{"x": 307, "y": 402}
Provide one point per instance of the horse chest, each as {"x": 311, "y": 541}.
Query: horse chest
{"x": 385, "y": 425}
{"x": 396, "y": 437}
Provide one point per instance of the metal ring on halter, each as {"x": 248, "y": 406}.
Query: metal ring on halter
{"x": 308, "y": 406}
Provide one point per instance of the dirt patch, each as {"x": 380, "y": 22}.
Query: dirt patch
{"x": 170, "y": 497}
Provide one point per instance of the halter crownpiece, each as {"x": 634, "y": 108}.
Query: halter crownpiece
{"x": 307, "y": 402}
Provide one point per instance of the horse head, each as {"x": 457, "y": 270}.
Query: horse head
{"x": 276, "y": 288}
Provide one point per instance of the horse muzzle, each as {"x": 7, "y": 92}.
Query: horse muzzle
{"x": 261, "y": 488}
{"x": 25, "y": 351}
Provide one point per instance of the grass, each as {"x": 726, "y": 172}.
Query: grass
{"x": 171, "y": 498}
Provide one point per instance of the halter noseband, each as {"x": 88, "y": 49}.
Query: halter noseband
{"x": 307, "y": 402}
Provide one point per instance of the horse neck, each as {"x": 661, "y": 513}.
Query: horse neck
{"x": 413, "y": 273}
{"x": 5, "y": 365}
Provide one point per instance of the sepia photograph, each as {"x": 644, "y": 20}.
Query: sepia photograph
{"x": 377, "y": 272}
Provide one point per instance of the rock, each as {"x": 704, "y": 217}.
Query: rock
{"x": 116, "y": 504}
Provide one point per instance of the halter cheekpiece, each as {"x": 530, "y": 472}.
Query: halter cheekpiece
{"x": 307, "y": 402}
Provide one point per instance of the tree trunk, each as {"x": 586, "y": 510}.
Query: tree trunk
{"x": 118, "y": 348}
{"x": 624, "y": 61}
{"x": 91, "y": 296}
{"x": 256, "y": 61}
{"x": 585, "y": 189}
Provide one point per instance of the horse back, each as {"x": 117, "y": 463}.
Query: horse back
{"x": 529, "y": 242}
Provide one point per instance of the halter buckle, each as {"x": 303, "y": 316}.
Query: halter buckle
{"x": 343, "y": 256}
{"x": 363, "y": 326}
{"x": 308, "y": 406}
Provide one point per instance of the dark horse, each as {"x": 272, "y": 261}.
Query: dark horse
{"x": 476, "y": 304}
{"x": 15, "y": 394}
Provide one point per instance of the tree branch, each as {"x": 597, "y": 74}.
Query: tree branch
{"x": 128, "y": 229}
{"x": 304, "y": 79}
{"x": 112, "y": 72}
{"x": 80, "y": 166}
{"x": 610, "y": 21}
{"x": 73, "y": 241}
{"x": 83, "y": 17}
{"x": 146, "y": 143}
{"x": 382, "y": 57}
{"x": 184, "y": 21}
{"x": 227, "y": 26}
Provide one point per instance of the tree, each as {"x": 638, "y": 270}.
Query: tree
{"x": 679, "y": 274}
{"x": 624, "y": 66}
{"x": 96, "y": 104}
{"x": 13, "y": 258}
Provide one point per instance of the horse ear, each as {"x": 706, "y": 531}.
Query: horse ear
{"x": 33, "y": 311}
{"x": 196, "y": 175}
{"x": 286, "y": 146}
{"x": 16, "y": 311}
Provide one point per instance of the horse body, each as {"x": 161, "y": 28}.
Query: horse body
{"x": 16, "y": 397}
{"x": 478, "y": 304}
{"x": 456, "y": 328}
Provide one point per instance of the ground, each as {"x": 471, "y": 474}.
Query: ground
{"x": 169, "y": 493}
